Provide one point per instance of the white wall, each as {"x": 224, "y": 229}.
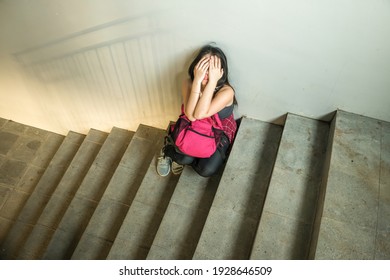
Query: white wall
{"x": 73, "y": 65}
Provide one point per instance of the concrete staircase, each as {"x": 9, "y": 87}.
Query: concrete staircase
{"x": 305, "y": 190}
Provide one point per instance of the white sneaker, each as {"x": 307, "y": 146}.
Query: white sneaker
{"x": 163, "y": 165}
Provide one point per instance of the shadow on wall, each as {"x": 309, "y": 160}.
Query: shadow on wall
{"x": 121, "y": 73}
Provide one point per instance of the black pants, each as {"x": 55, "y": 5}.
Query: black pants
{"x": 205, "y": 167}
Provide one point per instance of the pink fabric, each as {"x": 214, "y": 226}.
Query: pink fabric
{"x": 197, "y": 137}
{"x": 229, "y": 125}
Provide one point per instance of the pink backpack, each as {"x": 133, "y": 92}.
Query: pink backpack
{"x": 198, "y": 138}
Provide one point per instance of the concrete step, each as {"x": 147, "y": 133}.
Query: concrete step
{"x": 108, "y": 217}
{"x": 269, "y": 201}
{"x": 182, "y": 224}
{"x": 286, "y": 223}
{"x": 58, "y": 200}
{"x": 144, "y": 216}
{"x": 355, "y": 220}
{"x": 45, "y": 186}
{"x": 25, "y": 152}
{"x": 382, "y": 251}
{"x": 45, "y": 227}
{"x": 232, "y": 221}
{"x": 74, "y": 220}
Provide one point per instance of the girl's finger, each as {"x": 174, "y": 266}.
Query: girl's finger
{"x": 200, "y": 62}
{"x": 204, "y": 62}
{"x": 203, "y": 67}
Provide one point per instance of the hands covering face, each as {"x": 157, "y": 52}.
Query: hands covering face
{"x": 208, "y": 68}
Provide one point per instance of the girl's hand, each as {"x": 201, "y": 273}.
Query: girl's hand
{"x": 215, "y": 70}
{"x": 200, "y": 69}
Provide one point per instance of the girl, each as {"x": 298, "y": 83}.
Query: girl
{"x": 206, "y": 92}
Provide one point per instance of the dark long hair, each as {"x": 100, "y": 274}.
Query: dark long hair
{"x": 209, "y": 49}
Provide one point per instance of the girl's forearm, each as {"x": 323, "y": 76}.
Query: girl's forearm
{"x": 203, "y": 105}
{"x": 192, "y": 101}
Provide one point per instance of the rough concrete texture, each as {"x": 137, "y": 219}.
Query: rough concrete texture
{"x": 288, "y": 215}
{"x": 81, "y": 197}
{"x": 142, "y": 221}
{"x": 353, "y": 221}
{"x": 119, "y": 194}
{"x": 88, "y": 195}
{"x": 25, "y": 154}
{"x": 232, "y": 221}
{"x": 185, "y": 216}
